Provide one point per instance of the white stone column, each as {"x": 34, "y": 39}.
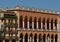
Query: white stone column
{"x": 28, "y": 39}
{"x": 45, "y": 26}
{"x": 18, "y": 35}
{"x": 41, "y": 26}
{"x": 33, "y": 39}
{"x": 23, "y": 25}
{"x": 37, "y": 40}
{"x": 46, "y": 40}
{"x": 28, "y": 25}
{"x": 37, "y": 25}
{"x": 23, "y": 39}
{"x": 3, "y": 40}
{"x": 50, "y": 39}
{"x": 33, "y": 25}
{"x": 54, "y": 40}
{"x": 54, "y": 26}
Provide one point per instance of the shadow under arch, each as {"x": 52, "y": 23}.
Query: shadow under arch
{"x": 39, "y": 23}
{"x": 48, "y": 23}
{"x": 35, "y": 22}
{"x": 52, "y": 38}
{"x": 44, "y": 38}
{"x": 48, "y": 38}
{"x": 26, "y": 37}
{"x": 21, "y": 21}
{"x": 7, "y": 40}
{"x": 40, "y": 38}
{"x": 31, "y": 38}
{"x": 30, "y": 22}
{"x": 25, "y": 22}
{"x": 35, "y": 37}
{"x": 56, "y": 38}
{"x": 21, "y": 37}
{"x": 52, "y": 24}
{"x": 43, "y": 23}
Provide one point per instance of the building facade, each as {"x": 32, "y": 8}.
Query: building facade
{"x": 22, "y": 24}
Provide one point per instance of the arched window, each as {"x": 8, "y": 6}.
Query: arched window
{"x": 48, "y": 38}
{"x": 43, "y": 23}
{"x": 52, "y": 24}
{"x": 35, "y": 23}
{"x": 26, "y": 37}
{"x": 52, "y": 38}
{"x": 25, "y": 22}
{"x": 21, "y": 22}
{"x": 30, "y": 22}
{"x": 56, "y": 24}
{"x": 39, "y": 23}
{"x": 40, "y": 38}
{"x": 35, "y": 38}
{"x": 31, "y": 38}
{"x": 48, "y": 23}
{"x": 44, "y": 38}
{"x": 56, "y": 38}
{"x": 21, "y": 37}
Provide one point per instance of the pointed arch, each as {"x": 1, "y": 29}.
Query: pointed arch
{"x": 25, "y": 22}
{"x": 52, "y": 38}
{"x": 35, "y": 22}
{"x": 39, "y": 23}
{"x": 44, "y": 38}
{"x": 43, "y": 23}
{"x": 30, "y": 22}
{"x": 56, "y": 38}
{"x": 26, "y": 37}
{"x": 48, "y": 23}
{"x": 35, "y": 38}
{"x": 21, "y": 22}
{"x": 40, "y": 38}
{"x": 31, "y": 38}
{"x": 51, "y": 24}
{"x": 55, "y": 24}
{"x": 21, "y": 37}
{"x": 48, "y": 38}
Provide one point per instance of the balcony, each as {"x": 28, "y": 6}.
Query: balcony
{"x": 6, "y": 37}
{"x": 2, "y": 28}
{"x": 11, "y": 25}
{"x": 15, "y": 25}
{"x": 14, "y": 37}
{"x": 12, "y": 31}
{"x": 1, "y": 35}
{"x": 10, "y": 16}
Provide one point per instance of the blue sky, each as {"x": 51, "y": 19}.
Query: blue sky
{"x": 43, "y": 4}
